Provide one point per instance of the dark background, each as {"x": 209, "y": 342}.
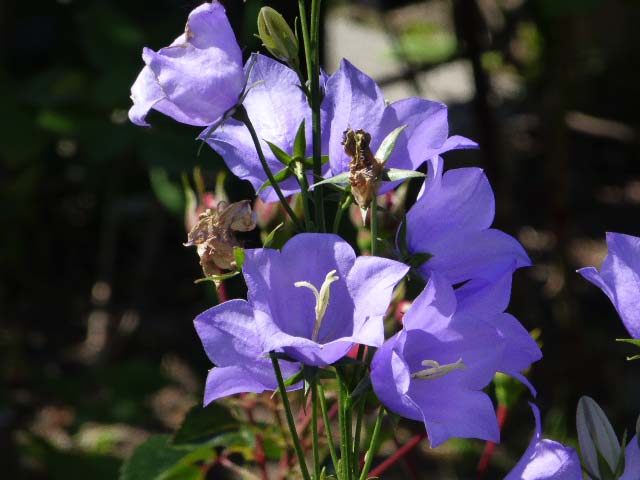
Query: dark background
{"x": 97, "y": 296}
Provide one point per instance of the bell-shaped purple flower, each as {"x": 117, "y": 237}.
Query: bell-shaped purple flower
{"x": 314, "y": 299}
{"x": 449, "y": 349}
{"x": 197, "y": 78}
{"x": 234, "y": 345}
{"x": 546, "y": 459}
{"x": 353, "y": 100}
{"x": 451, "y": 222}
{"x": 276, "y": 107}
{"x": 619, "y": 278}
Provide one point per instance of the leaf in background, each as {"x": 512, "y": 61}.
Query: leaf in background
{"x": 168, "y": 194}
{"x": 203, "y": 422}
{"x": 151, "y": 459}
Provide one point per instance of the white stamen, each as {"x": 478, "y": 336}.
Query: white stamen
{"x": 322, "y": 299}
{"x": 435, "y": 370}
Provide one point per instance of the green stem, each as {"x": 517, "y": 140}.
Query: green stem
{"x": 314, "y": 431}
{"x": 312, "y": 55}
{"x": 373, "y": 446}
{"x": 241, "y": 114}
{"x": 345, "y": 428}
{"x": 356, "y": 437}
{"x": 304, "y": 192}
{"x": 344, "y": 205}
{"x": 292, "y": 424}
{"x": 327, "y": 429}
{"x": 373, "y": 220}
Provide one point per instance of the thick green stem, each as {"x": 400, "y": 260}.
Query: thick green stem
{"x": 314, "y": 431}
{"x": 327, "y": 429}
{"x": 292, "y": 424}
{"x": 241, "y": 114}
{"x": 373, "y": 446}
{"x": 373, "y": 221}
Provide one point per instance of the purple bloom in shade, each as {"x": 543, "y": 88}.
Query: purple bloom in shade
{"x": 632, "y": 460}
{"x": 353, "y": 100}
{"x": 449, "y": 349}
{"x": 197, "y": 78}
{"x": 546, "y": 459}
{"x": 314, "y": 299}
{"x": 276, "y": 107}
{"x": 232, "y": 342}
{"x": 619, "y": 278}
{"x": 451, "y": 220}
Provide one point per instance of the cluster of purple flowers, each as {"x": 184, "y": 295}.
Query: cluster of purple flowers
{"x": 315, "y": 299}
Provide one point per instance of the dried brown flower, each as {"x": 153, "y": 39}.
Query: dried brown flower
{"x": 364, "y": 169}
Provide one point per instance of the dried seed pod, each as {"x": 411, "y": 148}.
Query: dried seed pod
{"x": 214, "y": 235}
{"x": 364, "y": 169}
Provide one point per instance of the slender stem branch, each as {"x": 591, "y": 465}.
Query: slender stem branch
{"x": 345, "y": 427}
{"x": 292, "y": 424}
{"x": 314, "y": 431}
{"x": 304, "y": 193}
{"x": 356, "y": 436}
{"x": 344, "y": 205}
{"x": 327, "y": 428}
{"x": 241, "y": 114}
{"x": 373, "y": 222}
{"x": 373, "y": 446}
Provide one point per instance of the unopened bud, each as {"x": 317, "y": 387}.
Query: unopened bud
{"x": 277, "y": 37}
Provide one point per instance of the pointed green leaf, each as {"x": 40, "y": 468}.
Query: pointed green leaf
{"x": 272, "y": 234}
{"x": 416, "y": 260}
{"x": 396, "y": 174}
{"x": 300, "y": 143}
{"x": 402, "y": 238}
{"x": 293, "y": 379}
{"x": 632, "y": 341}
{"x": 218, "y": 278}
{"x": 280, "y": 177}
{"x": 389, "y": 144}
{"x": 340, "y": 179}
{"x": 238, "y": 254}
{"x": 280, "y": 154}
{"x": 363, "y": 386}
{"x": 308, "y": 162}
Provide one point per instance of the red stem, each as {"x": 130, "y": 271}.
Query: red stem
{"x": 489, "y": 447}
{"x": 400, "y": 453}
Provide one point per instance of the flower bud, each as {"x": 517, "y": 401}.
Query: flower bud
{"x": 599, "y": 445}
{"x": 277, "y": 37}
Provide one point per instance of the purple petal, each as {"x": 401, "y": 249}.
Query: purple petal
{"x": 371, "y": 282}
{"x": 352, "y": 100}
{"x": 200, "y": 75}
{"x": 433, "y": 309}
{"x": 546, "y": 459}
{"x": 619, "y": 278}
{"x": 632, "y": 460}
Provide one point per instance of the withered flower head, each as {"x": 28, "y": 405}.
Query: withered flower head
{"x": 214, "y": 235}
{"x": 364, "y": 169}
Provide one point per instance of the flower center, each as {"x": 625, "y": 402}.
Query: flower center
{"x": 435, "y": 370}
{"x": 322, "y": 299}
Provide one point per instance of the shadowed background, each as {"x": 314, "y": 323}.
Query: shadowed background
{"x": 97, "y": 296}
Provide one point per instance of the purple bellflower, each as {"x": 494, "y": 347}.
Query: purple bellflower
{"x": 632, "y": 460}
{"x": 233, "y": 344}
{"x": 353, "y": 100}
{"x": 546, "y": 459}
{"x": 619, "y": 278}
{"x": 451, "y": 222}
{"x": 276, "y": 107}
{"x": 314, "y": 299}
{"x": 197, "y": 78}
{"x": 450, "y": 347}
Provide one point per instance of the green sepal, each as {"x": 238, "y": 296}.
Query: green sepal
{"x": 364, "y": 386}
{"x": 416, "y": 260}
{"x": 632, "y": 341}
{"x": 269, "y": 240}
{"x": 340, "y": 179}
{"x": 396, "y": 174}
{"x": 389, "y": 144}
{"x": 280, "y": 177}
{"x": 218, "y": 278}
{"x": 402, "y": 238}
{"x": 346, "y": 361}
{"x": 300, "y": 142}
{"x": 294, "y": 379}
{"x": 282, "y": 156}
{"x": 239, "y": 255}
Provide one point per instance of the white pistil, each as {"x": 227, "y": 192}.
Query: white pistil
{"x": 322, "y": 299}
{"x": 435, "y": 370}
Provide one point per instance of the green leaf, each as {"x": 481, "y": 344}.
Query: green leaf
{"x": 238, "y": 254}
{"x": 272, "y": 234}
{"x": 632, "y": 341}
{"x": 340, "y": 179}
{"x": 167, "y": 192}
{"x": 218, "y": 278}
{"x": 151, "y": 459}
{"x": 280, "y": 177}
{"x": 280, "y": 154}
{"x": 294, "y": 379}
{"x": 300, "y": 143}
{"x": 395, "y": 174}
{"x": 203, "y": 422}
{"x": 363, "y": 386}
{"x": 308, "y": 162}
{"x": 402, "y": 238}
{"x": 389, "y": 144}
{"x": 416, "y": 260}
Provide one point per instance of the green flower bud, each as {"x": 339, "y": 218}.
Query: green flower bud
{"x": 277, "y": 37}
